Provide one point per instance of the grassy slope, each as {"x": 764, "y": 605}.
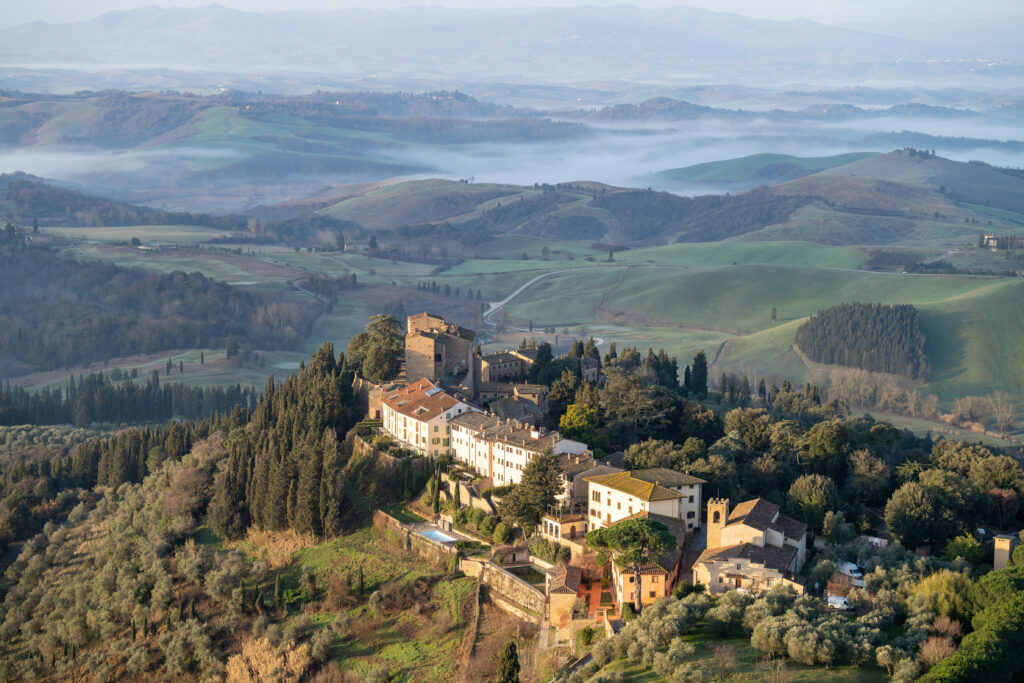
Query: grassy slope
{"x": 973, "y": 324}
{"x": 969, "y": 183}
{"x": 745, "y": 168}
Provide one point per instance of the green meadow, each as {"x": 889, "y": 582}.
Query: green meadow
{"x": 681, "y": 297}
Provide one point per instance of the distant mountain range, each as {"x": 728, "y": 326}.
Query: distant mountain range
{"x": 578, "y": 44}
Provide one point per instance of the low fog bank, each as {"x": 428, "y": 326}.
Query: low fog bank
{"x": 208, "y": 179}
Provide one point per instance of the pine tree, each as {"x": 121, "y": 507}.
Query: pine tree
{"x": 508, "y": 664}
{"x": 360, "y": 586}
{"x": 542, "y": 481}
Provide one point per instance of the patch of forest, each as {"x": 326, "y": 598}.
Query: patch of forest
{"x": 95, "y": 398}
{"x": 874, "y": 337}
{"x": 30, "y": 200}
{"x": 56, "y": 312}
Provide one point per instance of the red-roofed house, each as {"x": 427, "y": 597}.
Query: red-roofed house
{"x": 417, "y": 415}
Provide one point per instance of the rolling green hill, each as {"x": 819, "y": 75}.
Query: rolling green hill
{"x": 972, "y": 324}
{"x": 765, "y": 167}
{"x": 962, "y": 183}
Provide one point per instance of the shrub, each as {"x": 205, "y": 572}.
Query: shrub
{"x": 502, "y": 533}
{"x": 934, "y": 650}
{"x": 585, "y": 636}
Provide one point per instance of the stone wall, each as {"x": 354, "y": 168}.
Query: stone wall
{"x": 507, "y": 591}
{"x": 402, "y": 536}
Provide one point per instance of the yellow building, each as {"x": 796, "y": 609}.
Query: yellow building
{"x": 563, "y": 585}
{"x": 659, "y": 576}
{"x": 753, "y": 547}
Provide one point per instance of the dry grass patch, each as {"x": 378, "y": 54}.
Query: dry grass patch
{"x": 277, "y": 548}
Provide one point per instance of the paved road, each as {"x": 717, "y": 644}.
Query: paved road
{"x": 494, "y": 307}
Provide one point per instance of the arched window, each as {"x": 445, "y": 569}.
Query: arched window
{"x": 717, "y": 517}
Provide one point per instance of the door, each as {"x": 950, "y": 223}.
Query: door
{"x": 738, "y": 581}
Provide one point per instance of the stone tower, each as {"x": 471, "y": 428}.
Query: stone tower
{"x": 1002, "y": 550}
{"x": 718, "y": 516}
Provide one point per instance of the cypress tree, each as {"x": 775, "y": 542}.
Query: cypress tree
{"x": 699, "y": 375}
{"x": 508, "y": 664}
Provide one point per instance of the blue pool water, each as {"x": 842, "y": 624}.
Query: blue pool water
{"x": 437, "y": 536}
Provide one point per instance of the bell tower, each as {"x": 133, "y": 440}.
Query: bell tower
{"x": 718, "y": 516}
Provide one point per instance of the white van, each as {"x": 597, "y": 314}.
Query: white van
{"x": 838, "y": 602}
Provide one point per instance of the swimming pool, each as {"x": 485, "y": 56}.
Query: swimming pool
{"x": 435, "y": 535}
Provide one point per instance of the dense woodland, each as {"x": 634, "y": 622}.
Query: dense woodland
{"x": 60, "y": 313}
{"x": 290, "y": 465}
{"x": 32, "y": 201}
{"x": 96, "y": 398}
{"x": 875, "y": 337}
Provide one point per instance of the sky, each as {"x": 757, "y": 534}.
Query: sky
{"x": 825, "y": 11}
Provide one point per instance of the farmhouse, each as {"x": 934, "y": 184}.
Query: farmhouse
{"x": 753, "y": 547}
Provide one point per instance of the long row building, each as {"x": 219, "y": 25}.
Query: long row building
{"x": 428, "y": 420}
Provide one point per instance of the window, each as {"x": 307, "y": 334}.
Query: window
{"x": 654, "y": 579}
{"x": 717, "y": 517}
{"x": 632, "y": 579}
{"x": 691, "y": 499}
{"x": 595, "y": 496}
{"x": 689, "y": 515}
{"x": 721, "y": 579}
{"x": 620, "y": 505}
{"x": 738, "y": 566}
{"x": 652, "y": 594}
{"x": 435, "y": 428}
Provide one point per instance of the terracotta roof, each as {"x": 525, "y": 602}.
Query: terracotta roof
{"x": 666, "y": 477}
{"x": 516, "y": 409}
{"x": 566, "y": 579}
{"x": 422, "y": 400}
{"x": 600, "y": 469}
{"x": 573, "y": 464}
{"x": 501, "y": 357}
{"x": 789, "y": 527}
{"x": 644, "y": 490}
{"x": 771, "y": 556}
{"x": 529, "y": 353}
{"x": 519, "y": 434}
{"x": 757, "y": 513}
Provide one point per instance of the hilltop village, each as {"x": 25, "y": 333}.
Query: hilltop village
{"x": 481, "y": 412}
{"x": 616, "y": 532}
